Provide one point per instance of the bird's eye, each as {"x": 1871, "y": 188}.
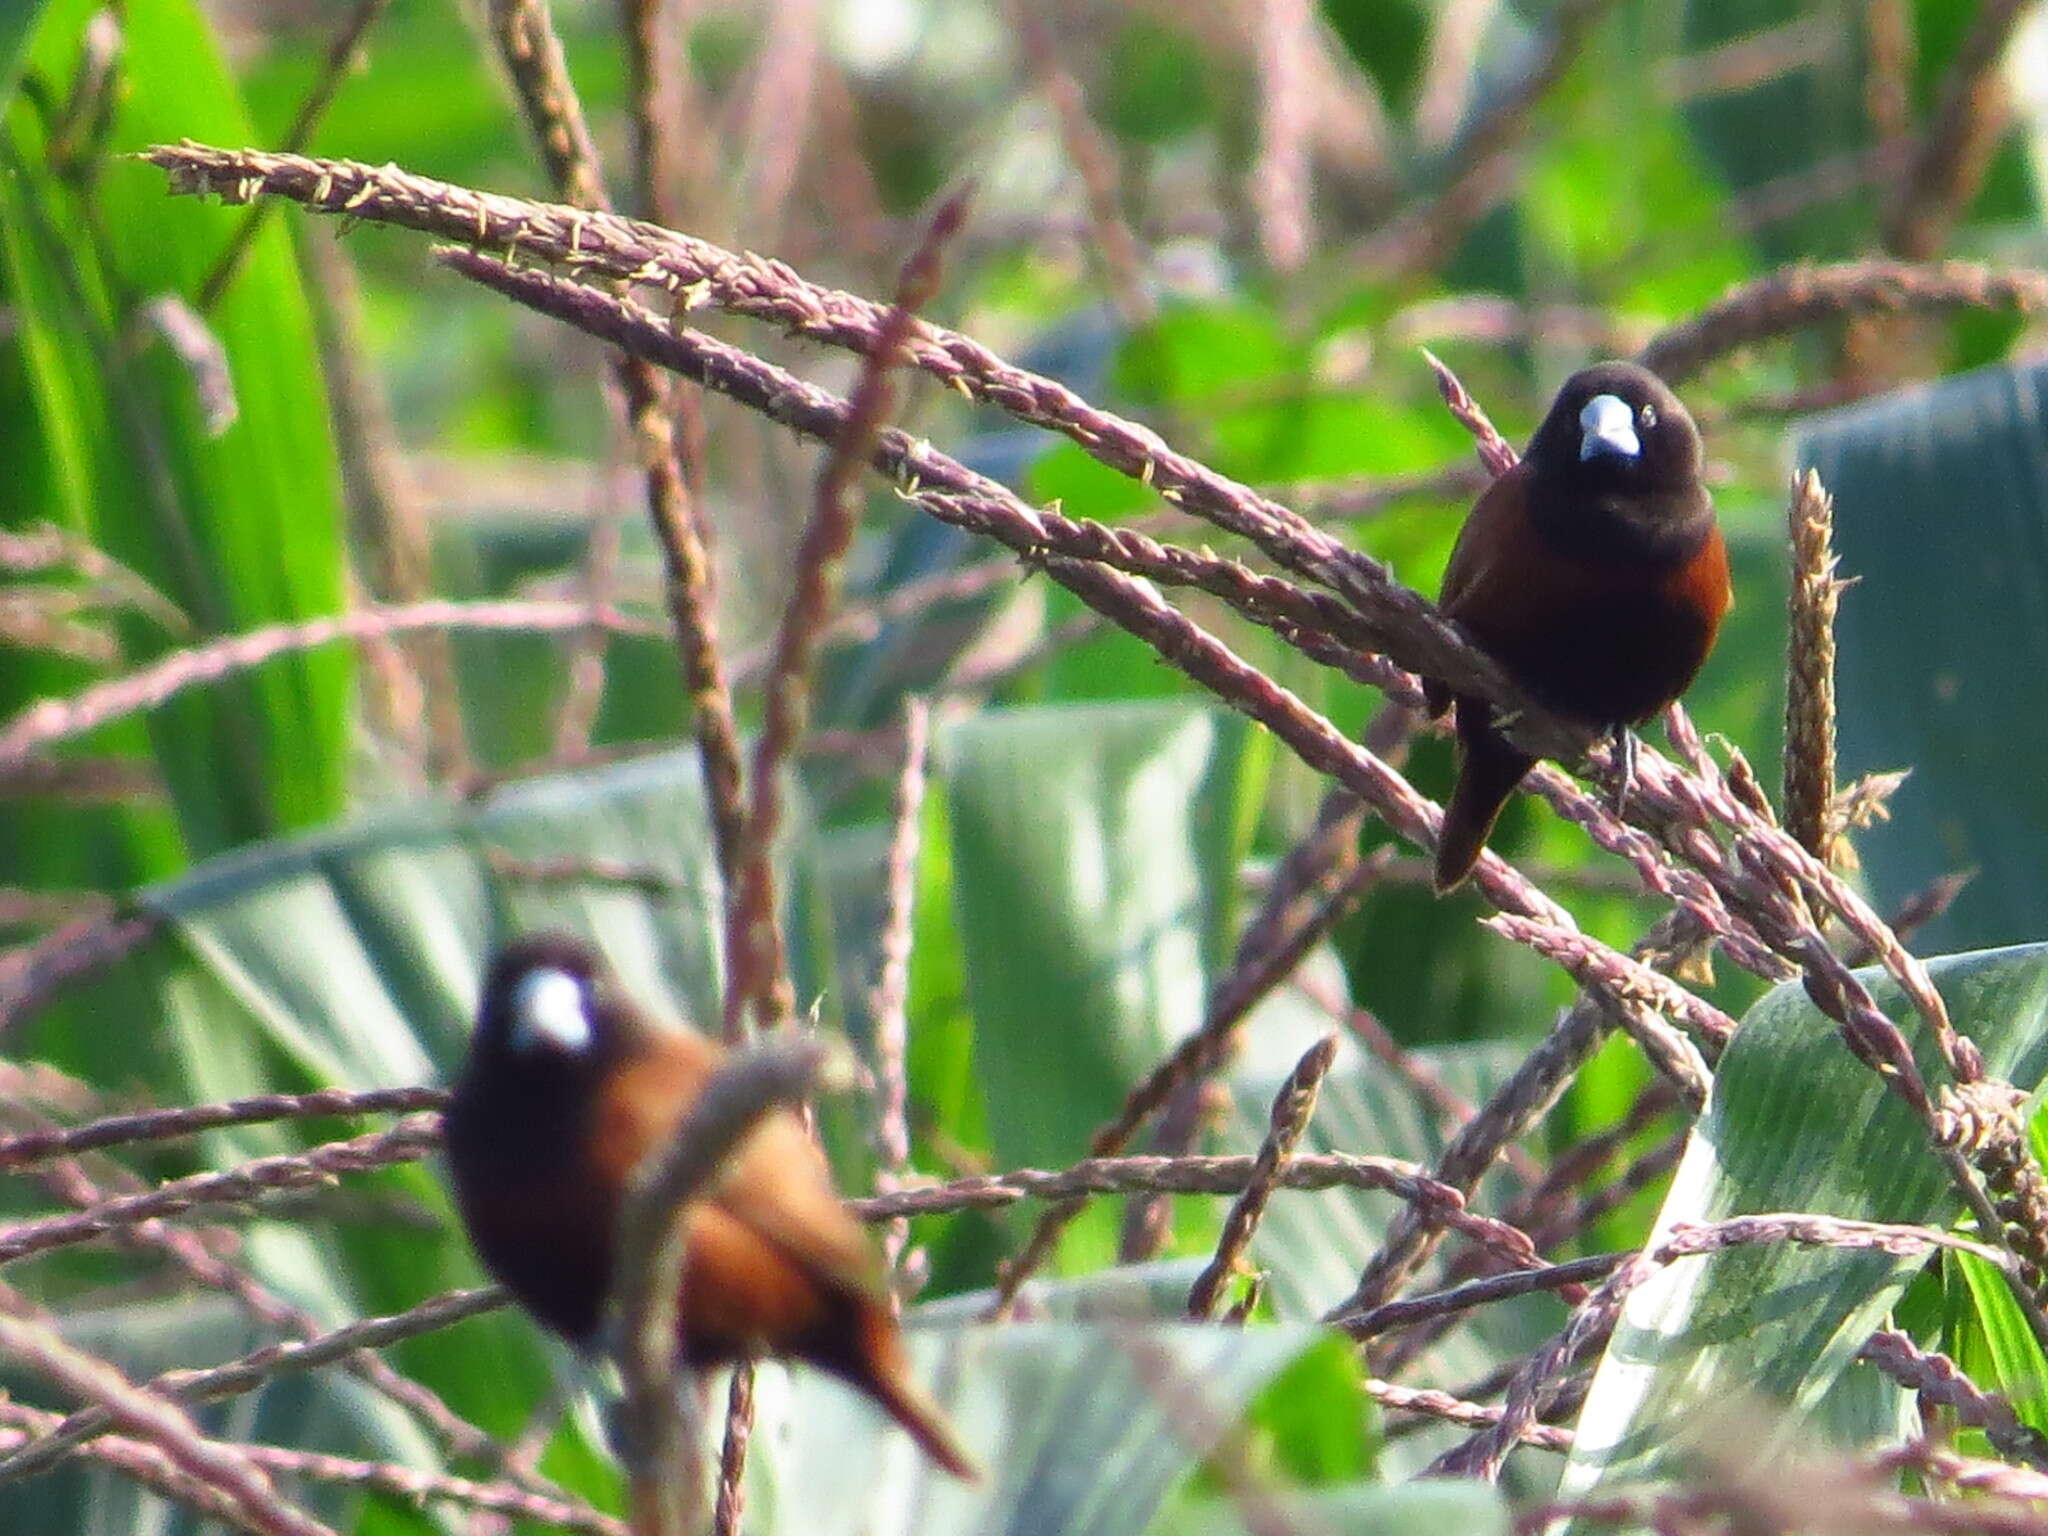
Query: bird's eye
{"x": 549, "y": 1011}
{"x": 1647, "y": 415}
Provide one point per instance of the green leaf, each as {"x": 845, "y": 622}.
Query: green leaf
{"x": 17, "y": 22}
{"x": 1433, "y": 1508}
{"x": 1194, "y": 351}
{"x": 1080, "y": 1428}
{"x": 1094, "y": 858}
{"x": 356, "y": 953}
{"x": 1389, "y": 40}
{"x": 238, "y": 529}
{"x": 328, "y": 1410}
{"x": 1151, "y": 1292}
{"x": 1794, "y": 1124}
{"x": 1618, "y": 177}
{"x": 2015, "y": 1364}
{"x": 1941, "y": 493}
{"x": 1312, "y": 1246}
{"x": 1154, "y": 88}
{"x": 1315, "y": 1421}
{"x": 1786, "y": 122}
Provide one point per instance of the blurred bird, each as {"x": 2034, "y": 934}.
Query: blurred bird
{"x": 567, "y": 1090}
{"x": 1593, "y": 572}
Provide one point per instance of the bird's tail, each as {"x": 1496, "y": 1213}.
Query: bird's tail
{"x": 884, "y": 1374}
{"x": 1488, "y": 774}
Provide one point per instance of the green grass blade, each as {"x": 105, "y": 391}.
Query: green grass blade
{"x": 1794, "y": 1124}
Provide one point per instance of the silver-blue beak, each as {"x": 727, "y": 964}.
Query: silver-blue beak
{"x": 549, "y": 1012}
{"x": 1607, "y": 428}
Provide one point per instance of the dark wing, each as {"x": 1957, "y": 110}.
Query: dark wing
{"x": 1501, "y": 570}
{"x": 1495, "y": 541}
{"x": 1605, "y": 641}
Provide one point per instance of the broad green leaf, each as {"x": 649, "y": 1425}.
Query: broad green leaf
{"x": 1068, "y": 476}
{"x": 948, "y": 1117}
{"x": 1081, "y": 1429}
{"x": 356, "y": 953}
{"x": 1941, "y": 496}
{"x": 1152, "y": 1292}
{"x": 1314, "y": 1422}
{"x": 1312, "y": 1246}
{"x": 1195, "y": 351}
{"x": 326, "y": 1410}
{"x": 1420, "y": 1508}
{"x": 1094, "y": 857}
{"x": 238, "y": 529}
{"x": 1794, "y": 1124}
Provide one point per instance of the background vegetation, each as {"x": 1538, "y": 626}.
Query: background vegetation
{"x": 339, "y": 644}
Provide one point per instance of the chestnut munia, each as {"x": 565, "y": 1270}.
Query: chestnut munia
{"x": 569, "y": 1086}
{"x": 1593, "y": 572}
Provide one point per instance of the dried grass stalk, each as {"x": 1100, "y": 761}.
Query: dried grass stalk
{"x": 1810, "y": 606}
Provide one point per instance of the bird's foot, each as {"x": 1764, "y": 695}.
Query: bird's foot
{"x": 1624, "y": 741}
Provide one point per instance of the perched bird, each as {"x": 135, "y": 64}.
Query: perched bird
{"x": 1593, "y": 572}
{"x": 569, "y": 1086}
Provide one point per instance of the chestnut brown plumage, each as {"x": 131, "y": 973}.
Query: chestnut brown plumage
{"x": 567, "y": 1089}
{"x": 1593, "y": 572}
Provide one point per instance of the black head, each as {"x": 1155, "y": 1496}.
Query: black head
{"x": 551, "y": 1006}
{"x": 551, "y": 1023}
{"x": 1615, "y": 467}
{"x": 1620, "y": 425}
